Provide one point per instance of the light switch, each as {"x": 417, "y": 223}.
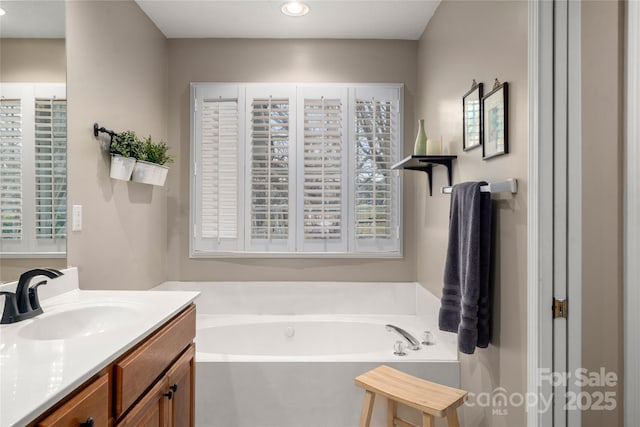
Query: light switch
{"x": 76, "y": 218}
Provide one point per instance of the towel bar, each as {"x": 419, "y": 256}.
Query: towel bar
{"x": 508, "y": 186}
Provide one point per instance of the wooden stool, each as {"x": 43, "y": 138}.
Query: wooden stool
{"x": 429, "y": 398}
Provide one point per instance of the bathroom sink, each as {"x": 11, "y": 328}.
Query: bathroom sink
{"x": 78, "y": 322}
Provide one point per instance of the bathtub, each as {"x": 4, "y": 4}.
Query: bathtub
{"x": 286, "y": 354}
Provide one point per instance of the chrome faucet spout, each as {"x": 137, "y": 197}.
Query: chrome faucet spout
{"x": 414, "y": 344}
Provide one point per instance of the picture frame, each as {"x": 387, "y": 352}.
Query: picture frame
{"x": 472, "y": 117}
{"x": 495, "y": 129}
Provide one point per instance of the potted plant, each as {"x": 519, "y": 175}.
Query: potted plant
{"x": 152, "y": 158}
{"x": 124, "y": 150}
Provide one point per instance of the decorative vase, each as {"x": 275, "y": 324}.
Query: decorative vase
{"x": 420, "y": 147}
{"x": 121, "y": 167}
{"x": 434, "y": 147}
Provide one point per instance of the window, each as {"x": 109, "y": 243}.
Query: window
{"x": 292, "y": 169}
{"x": 33, "y": 169}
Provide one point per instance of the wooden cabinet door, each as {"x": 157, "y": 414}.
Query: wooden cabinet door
{"x": 181, "y": 382}
{"x": 92, "y": 403}
{"x": 152, "y": 410}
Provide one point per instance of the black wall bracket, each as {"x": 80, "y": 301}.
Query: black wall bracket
{"x": 426, "y": 164}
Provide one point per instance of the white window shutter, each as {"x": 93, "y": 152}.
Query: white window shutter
{"x": 219, "y": 169}
{"x": 271, "y": 190}
{"x": 322, "y": 165}
{"x": 285, "y": 169}
{"x": 50, "y": 132}
{"x": 376, "y": 186}
{"x": 10, "y": 169}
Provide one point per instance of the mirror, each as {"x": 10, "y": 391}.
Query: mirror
{"x": 33, "y": 127}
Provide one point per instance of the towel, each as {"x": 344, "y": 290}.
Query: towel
{"x": 466, "y": 304}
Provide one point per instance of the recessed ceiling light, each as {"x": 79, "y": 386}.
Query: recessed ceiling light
{"x": 295, "y": 8}
{"x": 2, "y": 12}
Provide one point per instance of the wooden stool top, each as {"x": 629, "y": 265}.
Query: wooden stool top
{"x": 432, "y": 398}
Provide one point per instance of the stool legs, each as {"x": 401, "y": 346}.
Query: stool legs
{"x": 452, "y": 418}
{"x": 367, "y": 408}
{"x": 391, "y": 412}
{"x": 428, "y": 420}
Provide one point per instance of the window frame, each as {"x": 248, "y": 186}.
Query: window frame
{"x": 197, "y": 250}
{"x": 29, "y": 245}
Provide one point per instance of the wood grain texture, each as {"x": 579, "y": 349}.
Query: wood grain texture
{"x": 92, "y": 401}
{"x": 139, "y": 369}
{"x": 152, "y": 410}
{"x": 181, "y": 375}
{"x": 423, "y": 395}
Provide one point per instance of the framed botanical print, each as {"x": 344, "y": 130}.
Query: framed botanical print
{"x": 472, "y": 117}
{"x": 494, "y": 122}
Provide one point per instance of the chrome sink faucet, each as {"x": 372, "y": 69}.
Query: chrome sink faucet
{"x": 24, "y": 303}
{"x": 414, "y": 344}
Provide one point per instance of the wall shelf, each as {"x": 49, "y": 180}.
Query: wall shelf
{"x": 426, "y": 164}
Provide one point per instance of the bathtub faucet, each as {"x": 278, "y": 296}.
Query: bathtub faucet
{"x": 414, "y": 344}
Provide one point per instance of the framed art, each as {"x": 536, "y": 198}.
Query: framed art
{"x": 472, "y": 117}
{"x": 494, "y": 122}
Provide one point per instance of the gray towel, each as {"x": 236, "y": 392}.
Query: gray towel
{"x": 465, "y": 305}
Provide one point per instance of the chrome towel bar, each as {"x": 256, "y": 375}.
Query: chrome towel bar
{"x": 508, "y": 186}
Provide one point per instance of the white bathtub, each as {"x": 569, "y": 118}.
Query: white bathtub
{"x": 286, "y": 355}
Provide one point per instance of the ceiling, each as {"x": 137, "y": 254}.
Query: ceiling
{"x": 336, "y": 19}
{"x": 32, "y": 19}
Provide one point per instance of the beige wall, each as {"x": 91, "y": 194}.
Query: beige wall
{"x": 479, "y": 40}
{"x": 10, "y": 269}
{"x": 117, "y": 68}
{"x": 232, "y": 60}
{"x": 602, "y": 148}
{"x": 31, "y": 60}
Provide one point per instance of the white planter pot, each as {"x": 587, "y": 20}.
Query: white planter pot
{"x": 150, "y": 173}
{"x": 121, "y": 167}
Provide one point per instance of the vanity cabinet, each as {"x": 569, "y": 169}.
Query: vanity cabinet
{"x": 88, "y": 408}
{"x": 170, "y": 401}
{"x": 151, "y": 385}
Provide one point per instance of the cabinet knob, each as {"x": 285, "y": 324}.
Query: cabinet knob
{"x": 174, "y": 388}
{"x": 88, "y": 423}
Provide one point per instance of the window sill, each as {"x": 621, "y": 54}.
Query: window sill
{"x": 293, "y": 255}
{"x": 12, "y": 255}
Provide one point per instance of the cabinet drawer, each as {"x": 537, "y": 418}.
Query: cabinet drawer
{"x": 140, "y": 368}
{"x": 91, "y": 402}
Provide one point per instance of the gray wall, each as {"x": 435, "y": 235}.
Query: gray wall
{"x": 602, "y": 192}
{"x": 479, "y": 40}
{"x": 117, "y": 76}
{"x": 233, "y": 60}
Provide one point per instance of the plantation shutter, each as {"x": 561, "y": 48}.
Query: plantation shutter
{"x": 219, "y": 160}
{"x": 290, "y": 169}
{"x": 50, "y": 168}
{"x": 323, "y": 172}
{"x": 376, "y": 198}
{"x": 271, "y": 191}
{"x": 10, "y": 169}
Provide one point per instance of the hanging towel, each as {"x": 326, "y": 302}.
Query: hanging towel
{"x": 465, "y": 305}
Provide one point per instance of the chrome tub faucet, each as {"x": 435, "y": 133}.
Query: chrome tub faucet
{"x": 414, "y": 344}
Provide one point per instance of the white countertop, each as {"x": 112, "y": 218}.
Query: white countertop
{"x": 36, "y": 373}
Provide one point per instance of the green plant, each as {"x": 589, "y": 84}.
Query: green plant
{"x": 155, "y": 153}
{"x": 127, "y": 144}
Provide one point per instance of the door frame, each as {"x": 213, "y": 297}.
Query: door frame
{"x": 554, "y": 104}
{"x": 632, "y": 220}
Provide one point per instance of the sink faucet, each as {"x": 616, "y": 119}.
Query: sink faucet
{"x": 414, "y": 344}
{"x": 24, "y": 303}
